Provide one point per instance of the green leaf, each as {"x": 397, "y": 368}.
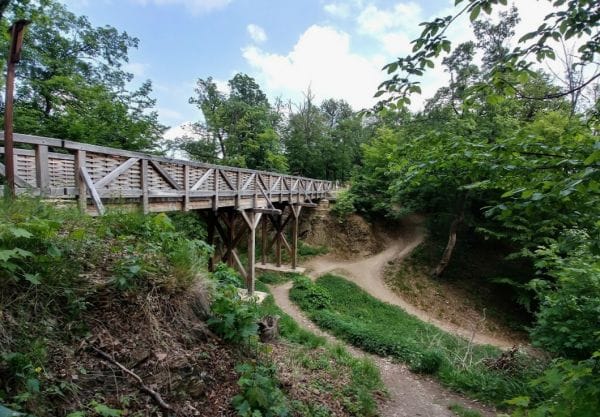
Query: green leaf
{"x": 33, "y": 279}
{"x": 18, "y": 232}
{"x": 475, "y": 13}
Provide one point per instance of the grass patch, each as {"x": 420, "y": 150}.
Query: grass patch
{"x": 306, "y": 251}
{"x": 387, "y": 330}
{"x": 461, "y": 411}
{"x": 354, "y": 382}
{"x": 275, "y": 278}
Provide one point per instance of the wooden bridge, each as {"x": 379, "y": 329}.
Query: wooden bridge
{"x": 232, "y": 200}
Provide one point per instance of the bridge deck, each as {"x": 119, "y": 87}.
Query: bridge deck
{"x": 96, "y": 176}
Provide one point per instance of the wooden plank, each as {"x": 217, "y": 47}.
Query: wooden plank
{"x": 90, "y": 185}
{"x": 239, "y": 264}
{"x": 79, "y": 183}
{"x": 266, "y": 211}
{"x": 35, "y": 140}
{"x": 229, "y": 184}
{"x": 42, "y": 172}
{"x": 274, "y": 186}
{"x": 144, "y": 184}
{"x": 165, "y": 174}
{"x": 202, "y": 179}
{"x": 114, "y": 174}
{"x": 248, "y": 182}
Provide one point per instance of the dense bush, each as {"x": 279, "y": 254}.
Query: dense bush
{"x": 568, "y": 388}
{"x": 568, "y": 321}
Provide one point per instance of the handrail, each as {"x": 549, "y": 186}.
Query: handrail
{"x": 156, "y": 182}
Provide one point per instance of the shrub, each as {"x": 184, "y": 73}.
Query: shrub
{"x": 568, "y": 388}
{"x": 260, "y": 395}
{"x": 568, "y": 321}
{"x": 344, "y": 204}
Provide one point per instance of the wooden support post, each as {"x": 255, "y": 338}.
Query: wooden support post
{"x": 279, "y": 240}
{"x": 42, "y": 171}
{"x": 264, "y": 241}
{"x": 296, "y": 213}
{"x": 79, "y": 182}
{"x": 252, "y": 219}
{"x": 145, "y": 185}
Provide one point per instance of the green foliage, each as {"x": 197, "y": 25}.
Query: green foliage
{"x": 324, "y": 141}
{"x": 260, "y": 394}
{"x": 243, "y": 126}
{"x": 568, "y": 323}
{"x": 53, "y": 262}
{"x": 231, "y": 317}
{"x": 305, "y": 250}
{"x": 344, "y": 205}
{"x": 72, "y": 84}
{"x": 313, "y": 296}
{"x": 429, "y": 362}
{"x": 387, "y": 330}
{"x": 568, "y": 388}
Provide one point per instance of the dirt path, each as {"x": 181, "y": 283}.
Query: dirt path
{"x": 368, "y": 273}
{"x": 410, "y": 395}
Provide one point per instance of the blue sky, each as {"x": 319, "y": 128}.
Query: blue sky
{"x": 335, "y": 47}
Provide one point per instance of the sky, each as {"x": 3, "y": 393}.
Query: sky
{"x": 334, "y": 47}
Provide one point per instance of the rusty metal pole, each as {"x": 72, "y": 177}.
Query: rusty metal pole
{"x": 14, "y": 56}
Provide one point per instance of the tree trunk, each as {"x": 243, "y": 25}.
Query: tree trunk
{"x": 447, "y": 255}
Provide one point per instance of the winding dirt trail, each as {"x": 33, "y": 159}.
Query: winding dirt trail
{"x": 410, "y": 394}
{"x": 368, "y": 273}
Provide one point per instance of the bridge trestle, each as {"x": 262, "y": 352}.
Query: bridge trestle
{"x": 231, "y": 225}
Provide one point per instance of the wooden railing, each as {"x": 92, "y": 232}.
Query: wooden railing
{"x": 96, "y": 176}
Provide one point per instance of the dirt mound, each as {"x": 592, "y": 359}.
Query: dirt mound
{"x": 161, "y": 339}
{"x": 347, "y": 238}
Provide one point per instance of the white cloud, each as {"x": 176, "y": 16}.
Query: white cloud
{"x": 322, "y": 60}
{"x": 339, "y": 10}
{"x": 375, "y": 21}
{"x": 257, "y": 33}
{"x": 194, "y": 6}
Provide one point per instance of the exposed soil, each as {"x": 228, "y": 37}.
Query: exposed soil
{"x": 409, "y": 394}
{"x": 464, "y": 301}
{"x": 348, "y": 239}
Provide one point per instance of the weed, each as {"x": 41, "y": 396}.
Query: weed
{"x": 260, "y": 395}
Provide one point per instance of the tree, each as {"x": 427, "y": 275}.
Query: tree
{"x": 72, "y": 72}
{"x": 242, "y": 123}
